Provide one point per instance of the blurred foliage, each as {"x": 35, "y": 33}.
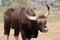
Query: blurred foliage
{"x": 4, "y": 3}
{"x": 25, "y": 1}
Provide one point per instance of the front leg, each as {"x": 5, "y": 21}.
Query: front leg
{"x": 16, "y": 32}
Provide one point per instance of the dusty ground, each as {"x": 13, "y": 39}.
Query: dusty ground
{"x": 52, "y": 34}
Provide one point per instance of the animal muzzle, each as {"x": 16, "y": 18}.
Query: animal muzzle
{"x": 44, "y": 30}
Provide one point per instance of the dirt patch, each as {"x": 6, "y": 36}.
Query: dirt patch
{"x": 52, "y": 34}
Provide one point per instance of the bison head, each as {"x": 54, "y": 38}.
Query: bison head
{"x": 41, "y": 20}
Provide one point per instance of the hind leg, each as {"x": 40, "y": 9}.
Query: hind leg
{"x": 16, "y": 32}
{"x": 7, "y": 30}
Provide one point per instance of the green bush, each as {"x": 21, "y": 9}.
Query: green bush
{"x": 5, "y": 3}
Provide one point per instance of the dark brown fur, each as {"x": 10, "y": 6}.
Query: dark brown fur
{"x": 17, "y": 19}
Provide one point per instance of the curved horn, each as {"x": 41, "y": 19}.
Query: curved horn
{"x": 31, "y": 17}
{"x": 47, "y": 13}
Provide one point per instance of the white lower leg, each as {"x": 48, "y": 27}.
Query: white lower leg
{"x": 6, "y": 37}
{"x": 16, "y": 37}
